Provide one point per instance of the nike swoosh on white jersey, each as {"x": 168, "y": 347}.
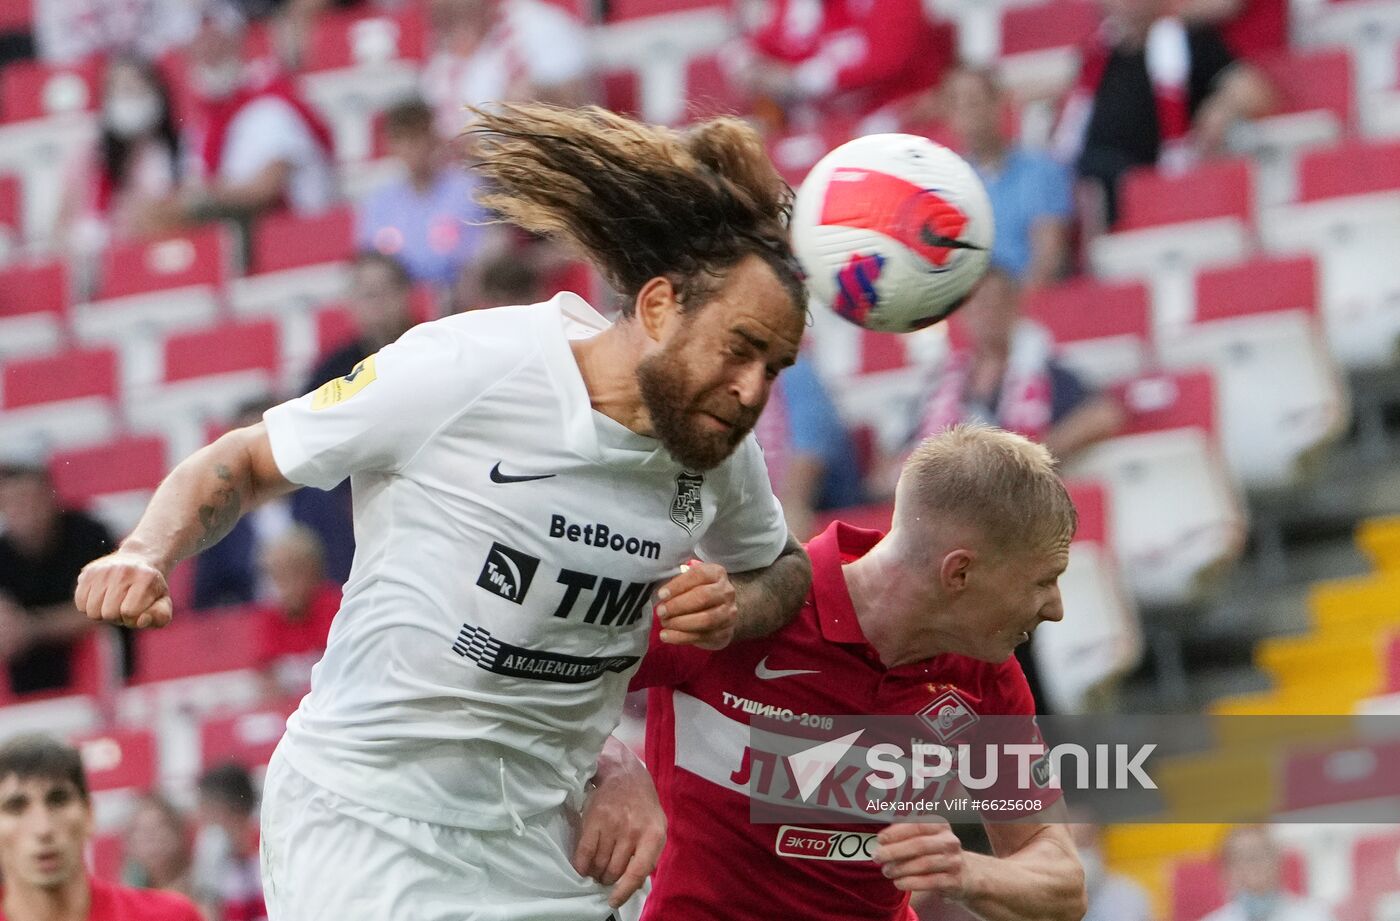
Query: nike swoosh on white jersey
{"x": 766, "y": 674}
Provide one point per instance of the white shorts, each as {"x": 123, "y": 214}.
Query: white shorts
{"x": 325, "y": 857}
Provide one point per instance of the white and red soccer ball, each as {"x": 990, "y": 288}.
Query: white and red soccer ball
{"x": 893, "y": 231}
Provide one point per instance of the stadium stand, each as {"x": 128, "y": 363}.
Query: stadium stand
{"x": 1246, "y": 312}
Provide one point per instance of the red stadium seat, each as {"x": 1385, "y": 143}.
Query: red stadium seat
{"x": 335, "y": 326}
{"x": 622, "y": 91}
{"x": 1161, "y": 403}
{"x": 1054, "y": 24}
{"x": 1355, "y": 773}
{"x": 1258, "y": 286}
{"x": 1198, "y": 889}
{"x": 289, "y": 241}
{"x": 1350, "y": 168}
{"x": 1212, "y": 190}
{"x": 126, "y": 465}
{"x": 882, "y": 352}
{"x": 1310, "y": 80}
{"x": 29, "y": 89}
{"x": 119, "y": 760}
{"x": 708, "y": 91}
{"x": 72, "y": 375}
{"x": 243, "y": 738}
{"x": 1392, "y": 665}
{"x": 143, "y": 267}
{"x": 620, "y": 10}
{"x": 1102, "y": 331}
{"x": 16, "y": 15}
{"x": 1375, "y": 863}
{"x": 12, "y": 207}
{"x": 198, "y": 644}
{"x": 1091, "y": 503}
{"x": 222, "y": 350}
{"x": 34, "y": 301}
{"x": 349, "y": 39}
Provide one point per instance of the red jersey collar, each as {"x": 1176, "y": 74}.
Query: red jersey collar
{"x": 836, "y": 613}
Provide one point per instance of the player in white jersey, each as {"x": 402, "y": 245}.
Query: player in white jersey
{"x": 528, "y": 481}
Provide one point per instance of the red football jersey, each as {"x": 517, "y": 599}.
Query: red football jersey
{"x": 118, "y": 903}
{"x": 719, "y": 864}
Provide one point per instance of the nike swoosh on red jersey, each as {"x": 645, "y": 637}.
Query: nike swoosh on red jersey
{"x": 765, "y": 673}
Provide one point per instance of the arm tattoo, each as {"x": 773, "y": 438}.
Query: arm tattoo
{"x": 769, "y": 598}
{"x": 219, "y": 517}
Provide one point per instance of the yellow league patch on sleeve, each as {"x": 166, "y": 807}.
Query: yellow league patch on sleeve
{"x": 343, "y": 388}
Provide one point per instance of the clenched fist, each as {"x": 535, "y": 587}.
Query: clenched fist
{"x": 698, "y": 607}
{"x": 923, "y": 857}
{"x": 124, "y": 588}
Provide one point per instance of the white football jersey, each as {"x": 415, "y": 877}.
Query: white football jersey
{"x": 508, "y": 542}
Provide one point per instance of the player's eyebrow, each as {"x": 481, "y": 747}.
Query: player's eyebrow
{"x": 751, "y": 339}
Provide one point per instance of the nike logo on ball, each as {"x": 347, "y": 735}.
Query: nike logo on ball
{"x": 765, "y": 673}
{"x": 498, "y": 477}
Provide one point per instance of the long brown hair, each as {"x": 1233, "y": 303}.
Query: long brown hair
{"x": 641, "y": 201}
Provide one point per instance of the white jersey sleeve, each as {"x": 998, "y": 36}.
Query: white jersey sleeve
{"x": 749, "y": 530}
{"x": 380, "y": 415}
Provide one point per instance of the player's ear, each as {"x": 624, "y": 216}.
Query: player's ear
{"x": 656, "y": 307}
{"x": 953, "y": 572}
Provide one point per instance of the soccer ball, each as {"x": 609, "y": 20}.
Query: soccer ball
{"x": 893, "y": 231}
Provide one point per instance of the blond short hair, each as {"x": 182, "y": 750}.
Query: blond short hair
{"x": 997, "y": 481}
{"x": 300, "y": 541}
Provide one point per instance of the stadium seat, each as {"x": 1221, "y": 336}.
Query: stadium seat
{"x": 1102, "y": 332}
{"x": 16, "y": 15}
{"x": 341, "y": 39}
{"x": 11, "y": 215}
{"x": 1281, "y": 396}
{"x": 1349, "y": 219}
{"x": 1176, "y": 518}
{"x": 1040, "y": 43}
{"x": 119, "y": 760}
{"x": 245, "y": 738}
{"x": 64, "y": 400}
{"x": 1343, "y": 782}
{"x": 1100, "y": 637}
{"x": 658, "y": 49}
{"x": 198, "y": 644}
{"x": 1173, "y": 226}
{"x": 207, "y": 375}
{"x": 349, "y": 99}
{"x": 1375, "y": 861}
{"x": 115, "y": 480}
{"x": 34, "y": 301}
{"x": 1316, "y": 107}
{"x": 150, "y": 287}
{"x": 29, "y": 89}
{"x": 708, "y": 91}
{"x": 1311, "y": 81}
{"x": 298, "y": 263}
{"x": 1198, "y": 889}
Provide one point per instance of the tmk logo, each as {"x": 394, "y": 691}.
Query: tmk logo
{"x": 507, "y": 572}
{"x": 856, "y": 295}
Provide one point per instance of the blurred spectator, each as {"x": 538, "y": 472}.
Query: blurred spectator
{"x": 227, "y": 573}
{"x": 1252, "y": 865}
{"x": 1112, "y": 897}
{"x": 503, "y": 51}
{"x": 810, "y": 458}
{"x": 45, "y": 822}
{"x": 69, "y": 31}
{"x": 159, "y": 847}
{"x": 1031, "y": 194}
{"x": 822, "y": 58}
{"x": 1007, "y": 375}
{"x": 503, "y": 280}
{"x": 135, "y": 164}
{"x": 1152, "y": 89}
{"x": 292, "y": 630}
{"x": 379, "y": 298}
{"x": 258, "y": 145}
{"x": 42, "y": 549}
{"x": 428, "y": 218}
{"x": 226, "y": 871}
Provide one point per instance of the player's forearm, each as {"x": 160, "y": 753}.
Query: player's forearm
{"x": 1041, "y": 882}
{"x": 769, "y": 598}
{"x": 197, "y": 504}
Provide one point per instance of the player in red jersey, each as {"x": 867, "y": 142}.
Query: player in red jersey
{"x": 923, "y": 619}
{"x": 45, "y": 821}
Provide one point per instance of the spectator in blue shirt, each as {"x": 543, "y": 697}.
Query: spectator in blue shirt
{"x": 428, "y": 218}
{"x": 810, "y": 458}
{"x": 1031, "y": 194}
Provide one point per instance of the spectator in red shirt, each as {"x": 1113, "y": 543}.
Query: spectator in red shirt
{"x": 823, "y": 58}
{"x": 292, "y": 631}
{"x": 227, "y": 874}
{"x": 45, "y": 822}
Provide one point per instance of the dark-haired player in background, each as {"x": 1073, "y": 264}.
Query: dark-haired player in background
{"x": 524, "y": 479}
{"x": 922, "y": 619}
{"x": 45, "y": 823}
